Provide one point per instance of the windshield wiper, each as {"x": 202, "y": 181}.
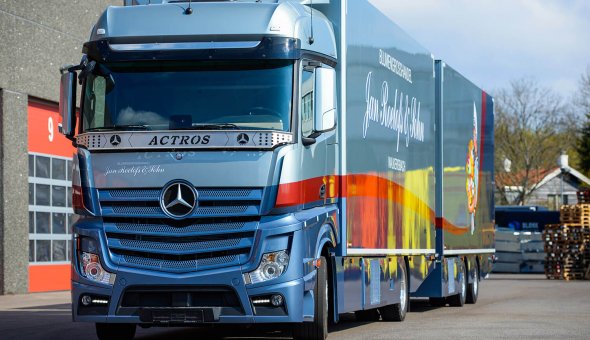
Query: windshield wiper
{"x": 119, "y": 128}
{"x": 208, "y": 126}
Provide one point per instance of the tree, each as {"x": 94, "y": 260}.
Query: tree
{"x": 583, "y": 104}
{"x": 529, "y": 123}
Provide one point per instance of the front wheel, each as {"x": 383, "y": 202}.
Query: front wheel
{"x": 473, "y": 288}
{"x": 123, "y": 331}
{"x": 398, "y": 311}
{"x": 318, "y": 329}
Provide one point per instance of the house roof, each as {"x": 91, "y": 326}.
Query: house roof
{"x": 538, "y": 178}
{"x": 556, "y": 172}
{"x": 515, "y": 179}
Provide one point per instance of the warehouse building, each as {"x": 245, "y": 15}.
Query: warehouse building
{"x": 37, "y": 38}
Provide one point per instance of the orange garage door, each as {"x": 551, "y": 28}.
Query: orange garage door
{"x": 50, "y": 206}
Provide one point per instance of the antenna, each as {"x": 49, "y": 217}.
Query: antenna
{"x": 188, "y": 10}
{"x": 311, "y": 40}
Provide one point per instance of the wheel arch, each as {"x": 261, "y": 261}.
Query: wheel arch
{"x": 326, "y": 240}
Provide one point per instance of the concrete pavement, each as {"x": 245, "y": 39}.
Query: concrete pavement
{"x": 509, "y": 307}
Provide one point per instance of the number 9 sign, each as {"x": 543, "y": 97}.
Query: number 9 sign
{"x": 50, "y": 128}
{"x": 44, "y": 137}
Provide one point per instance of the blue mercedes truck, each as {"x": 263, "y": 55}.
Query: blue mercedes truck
{"x": 271, "y": 161}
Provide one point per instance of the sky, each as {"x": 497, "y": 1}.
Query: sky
{"x": 492, "y": 42}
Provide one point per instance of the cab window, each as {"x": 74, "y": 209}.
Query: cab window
{"x": 307, "y": 102}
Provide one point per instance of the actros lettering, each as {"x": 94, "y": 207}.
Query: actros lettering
{"x": 403, "y": 118}
{"x": 180, "y": 140}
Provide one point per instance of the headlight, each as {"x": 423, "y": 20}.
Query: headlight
{"x": 272, "y": 266}
{"x": 90, "y": 266}
{"x": 92, "y": 270}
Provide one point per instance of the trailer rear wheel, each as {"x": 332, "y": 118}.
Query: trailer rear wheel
{"x": 473, "y": 288}
{"x": 123, "y": 331}
{"x": 459, "y": 299}
{"x": 318, "y": 329}
{"x": 398, "y": 311}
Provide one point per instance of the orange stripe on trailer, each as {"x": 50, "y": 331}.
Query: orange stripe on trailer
{"x": 378, "y": 187}
{"x": 360, "y": 185}
{"x": 51, "y": 277}
{"x": 443, "y": 223}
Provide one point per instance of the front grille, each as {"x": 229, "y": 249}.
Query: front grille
{"x": 134, "y": 193}
{"x": 157, "y": 229}
{"x": 219, "y": 233}
{"x": 122, "y": 210}
{"x": 178, "y": 265}
{"x": 225, "y": 193}
{"x": 178, "y": 247}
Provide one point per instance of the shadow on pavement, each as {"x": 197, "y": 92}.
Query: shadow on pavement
{"x": 517, "y": 277}
{"x": 348, "y": 321}
{"x": 421, "y": 306}
{"x": 59, "y": 307}
{"x": 54, "y": 321}
{"x": 213, "y": 333}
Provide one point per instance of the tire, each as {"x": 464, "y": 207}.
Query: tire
{"x": 318, "y": 329}
{"x": 398, "y": 311}
{"x": 473, "y": 288}
{"x": 368, "y": 315}
{"x": 122, "y": 331}
{"x": 458, "y": 300}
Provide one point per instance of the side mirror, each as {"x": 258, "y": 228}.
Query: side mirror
{"x": 67, "y": 103}
{"x": 325, "y": 104}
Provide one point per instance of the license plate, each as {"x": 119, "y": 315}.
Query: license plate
{"x": 172, "y": 315}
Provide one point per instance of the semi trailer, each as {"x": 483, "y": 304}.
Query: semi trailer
{"x": 274, "y": 161}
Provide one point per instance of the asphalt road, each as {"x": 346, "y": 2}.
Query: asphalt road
{"x": 509, "y": 307}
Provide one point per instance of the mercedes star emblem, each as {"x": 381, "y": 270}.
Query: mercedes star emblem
{"x": 115, "y": 140}
{"x": 178, "y": 199}
{"x": 243, "y": 139}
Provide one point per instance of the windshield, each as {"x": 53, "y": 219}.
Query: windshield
{"x": 189, "y": 95}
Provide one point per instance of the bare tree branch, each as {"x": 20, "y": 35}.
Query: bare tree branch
{"x": 529, "y": 120}
{"x": 582, "y": 102}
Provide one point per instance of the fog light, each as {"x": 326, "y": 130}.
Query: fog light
{"x": 276, "y": 300}
{"x": 260, "y": 301}
{"x": 94, "y": 300}
{"x": 86, "y": 300}
{"x": 100, "y": 302}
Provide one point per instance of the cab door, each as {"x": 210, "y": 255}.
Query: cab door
{"x": 318, "y": 180}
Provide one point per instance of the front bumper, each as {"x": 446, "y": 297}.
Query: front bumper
{"x": 292, "y": 291}
{"x": 295, "y": 286}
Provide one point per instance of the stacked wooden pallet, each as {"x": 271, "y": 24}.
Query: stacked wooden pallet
{"x": 566, "y": 247}
{"x": 575, "y": 214}
{"x": 584, "y": 197}
{"x": 567, "y": 244}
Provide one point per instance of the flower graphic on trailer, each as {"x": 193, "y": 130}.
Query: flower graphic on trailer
{"x": 472, "y": 171}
